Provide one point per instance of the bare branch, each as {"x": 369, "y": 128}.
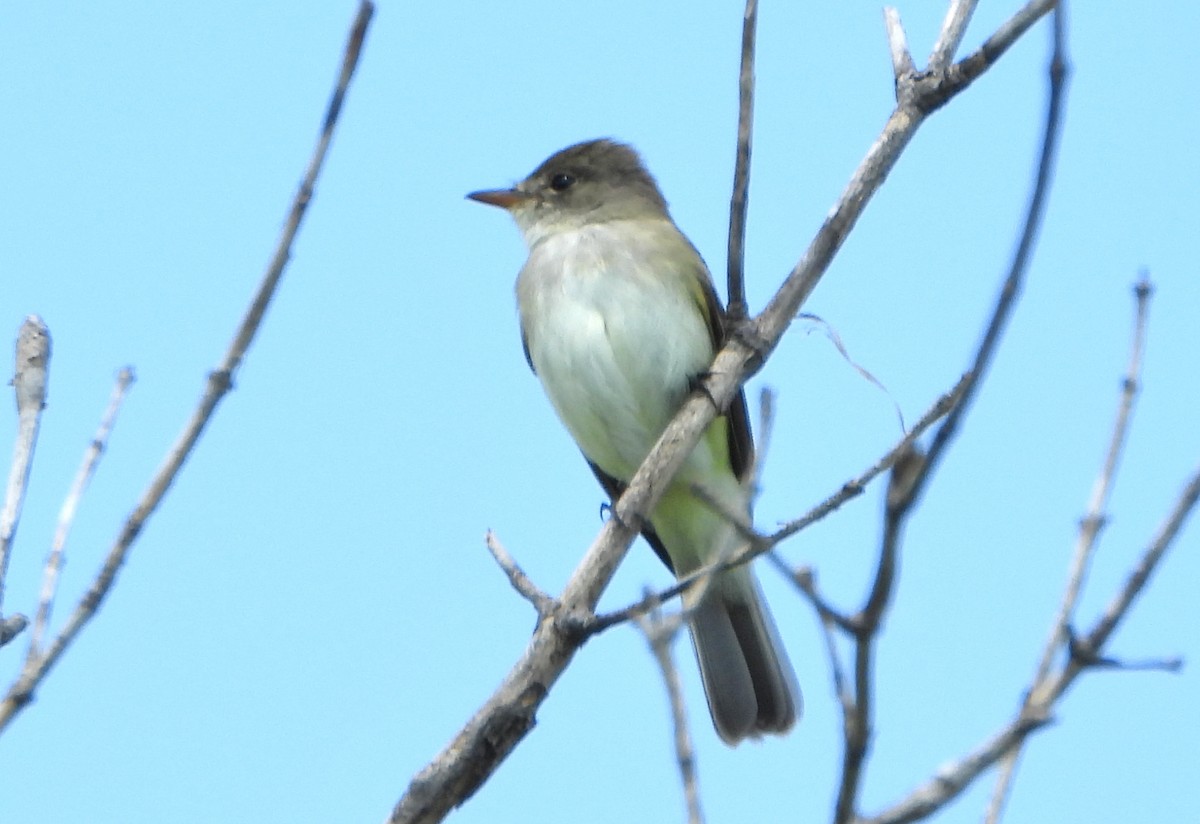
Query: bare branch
{"x": 219, "y": 382}
{"x": 30, "y": 378}
{"x": 660, "y": 630}
{"x": 951, "y": 35}
{"x": 805, "y": 580}
{"x": 912, "y": 470}
{"x": 857, "y": 708}
{"x": 66, "y": 515}
{"x": 1057, "y": 74}
{"x": 952, "y": 779}
{"x": 1140, "y": 574}
{"x": 736, "y": 308}
{"x": 521, "y": 582}
{"x": 942, "y": 407}
{"x": 496, "y": 728}
{"x": 760, "y": 544}
{"x": 902, "y": 62}
{"x": 1093, "y": 520}
{"x": 932, "y": 89}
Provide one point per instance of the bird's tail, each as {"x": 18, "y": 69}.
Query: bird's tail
{"x": 748, "y": 679}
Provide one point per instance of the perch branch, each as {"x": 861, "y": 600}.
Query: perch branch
{"x": 488, "y": 737}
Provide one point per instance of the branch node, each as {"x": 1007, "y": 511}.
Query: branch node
{"x": 522, "y": 583}
{"x": 902, "y": 481}
{"x": 11, "y": 627}
{"x": 1085, "y": 656}
{"x": 748, "y": 333}
{"x": 1143, "y": 289}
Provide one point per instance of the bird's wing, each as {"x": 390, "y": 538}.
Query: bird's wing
{"x": 741, "y": 442}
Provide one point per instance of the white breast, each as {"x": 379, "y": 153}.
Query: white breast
{"x": 614, "y": 334}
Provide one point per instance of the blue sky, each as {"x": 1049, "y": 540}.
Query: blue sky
{"x": 312, "y": 613}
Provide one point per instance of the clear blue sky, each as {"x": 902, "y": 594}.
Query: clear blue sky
{"x": 312, "y": 613}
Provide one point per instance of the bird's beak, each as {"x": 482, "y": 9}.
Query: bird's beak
{"x": 504, "y": 198}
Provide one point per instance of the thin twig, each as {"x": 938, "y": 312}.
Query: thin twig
{"x": 30, "y": 378}
{"x": 736, "y": 308}
{"x": 520, "y": 581}
{"x": 660, "y": 630}
{"x": 953, "y": 778}
{"x": 1093, "y": 520}
{"x": 1140, "y": 574}
{"x": 66, "y": 515}
{"x": 902, "y": 62}
{"x": 759, "y": 544}
{"x": 951, "y": 35}
{"x": 488, "y": 737}
{"x": 858, "y": 708}
{"x": 804, "y": 578}
{"x": 218, "y": 384}
{"x": 841, "y": 684}
{"x": 912, "y": 472}
{"x": 1057, "y": 76}
{"x": 943, "y": 406}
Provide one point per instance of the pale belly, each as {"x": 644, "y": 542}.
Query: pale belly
{"x": 614, "y": 347}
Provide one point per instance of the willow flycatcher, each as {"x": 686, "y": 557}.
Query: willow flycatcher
{"x": 619, "y": 319}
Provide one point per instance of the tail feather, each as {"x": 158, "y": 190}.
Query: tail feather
{"x": 748, "y": 679}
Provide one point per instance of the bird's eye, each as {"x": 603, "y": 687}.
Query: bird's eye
{"x": 561, "y": 182}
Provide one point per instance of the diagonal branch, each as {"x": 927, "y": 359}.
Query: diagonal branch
{"x": 951, "y": 779}
{"x": 951, "y": 35}
{"x": 66, "y": 516}
{"x": 219, "y": 382}
{"x": 486, "y": 739}
{"x": 913, "y": 470}
{"x": 760, "y": 544}
{"x": 1057, "y": 76}
{"x": 30, "y": 377}
{"x": 1089, "y": 532}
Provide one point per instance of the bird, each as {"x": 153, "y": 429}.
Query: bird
{"x": 620, "y": 322}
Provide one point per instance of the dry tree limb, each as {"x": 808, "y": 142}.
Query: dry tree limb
{"x": 1083, "y": 652}
{"x": 219, "y": 382}
{"x": 487, "y": 738}
{"x": 660, "y": 631}
{"x": 1057, "y": 76}
{"x": 520, "y": 580}
{"x": 763, "y": 544}
{"x": 952, "y": 778}
{"x": 954, "y": 27}
{"x": 66, "y": 515}
{"x": 914, "y": 469}
{"x": 1061, "y": 635}
{"x": 30, "y": 378}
